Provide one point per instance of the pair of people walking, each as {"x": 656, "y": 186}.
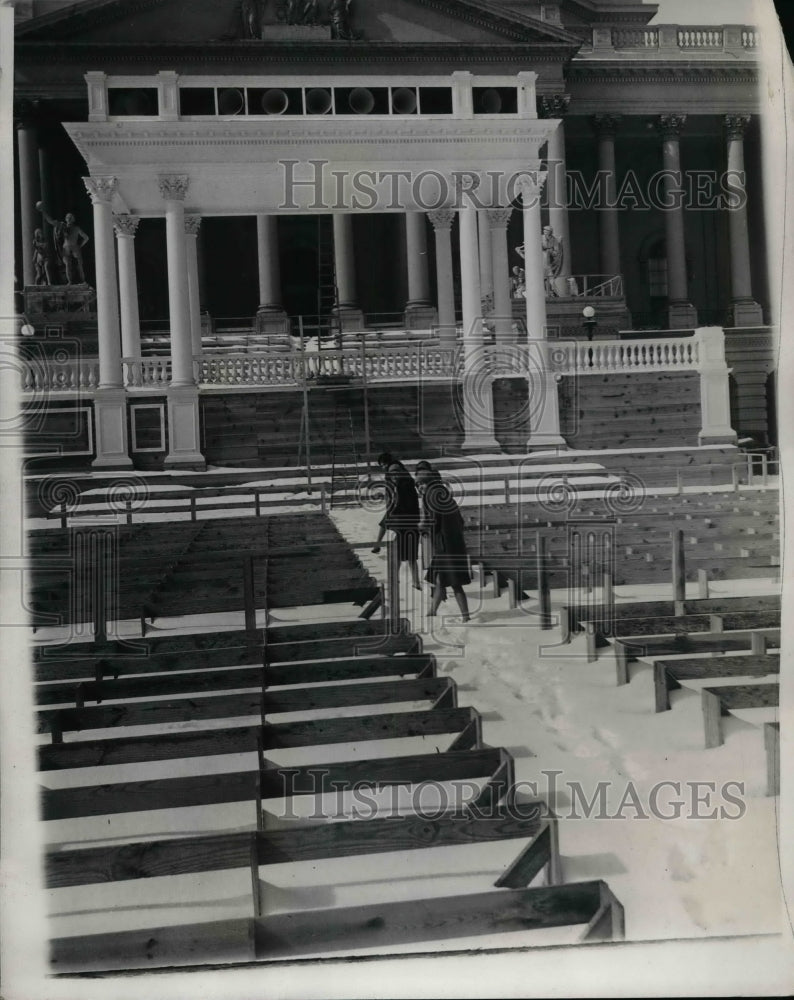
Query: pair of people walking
{"x": 426, "y": 507}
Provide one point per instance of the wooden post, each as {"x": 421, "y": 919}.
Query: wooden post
{"x": 512, "y": 596}
{"x": 703, "y": 582}
{"x": 323, "y": 500}
{"x": 306, "y": 407}
{"x": 248, "y": 594}
{"x": 679, "y": 566}
{"x": 735, "y": 477}
{"x": 621, "y": 664}
{"x": 758, "y": 643}
{"x": 772, "y": 747}
{"x": 544, "y": 594}
{"x": 192, "y": 508}
{"x": 678, "y": 490}
{"x": 393, "y": 583}
{"x": 99, "y": 571}
{"x": 507, "y": 489}
{"x": 712, "y": 718}
{"x": 257, "y": 505}
{"x": 764, "y": 469}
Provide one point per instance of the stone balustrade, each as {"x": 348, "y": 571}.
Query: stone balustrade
{"x": 682, "y": 38}
{"x": 384, "y": 364}
{"x": 55, "y": 375}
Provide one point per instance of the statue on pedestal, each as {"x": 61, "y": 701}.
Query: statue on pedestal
{"x": 517, "y": 282}
{"x": 69, "y": 240}
{"x": 41, "y": 259}
{"x": 553, "y": 256}
{"x": 251, "y": 12}
{"x": 340, "y": 20}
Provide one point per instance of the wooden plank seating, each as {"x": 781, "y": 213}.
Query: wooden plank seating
{"x": 719, "y": 701}
{"x": 630, "y": 647}
{"x": 345, "y": 838}
{"x": 674, "y": 624}
{"x": 589, "y": 904}
{"x": 191, "y": 708}
{"x": 668, "y": 674}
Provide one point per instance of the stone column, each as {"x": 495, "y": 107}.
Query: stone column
{"x": 544, "y": 413}
{"x": 29, "y": 218}
{"x": 478, "y": 420}
{"x": 715, "y": 407}
{"x": 486, "y": 263}
{"x": 183, "y": 404}
{"x": 606, "y": 128}
{"x": 442, "y": 220}
{"x": 498, "y": 219}
{"x": 555, "y": 106}
{"x": 419, "y": 313}
{"x": 192, "y": 228}
{"x": 270, "y": 316}
{"x": 350, "y": 316}
{"x": 110, "y": 400}
{"x": 680, "y": 312}
{"x": 744, "y": 311}
{"x": 126, "y": 226}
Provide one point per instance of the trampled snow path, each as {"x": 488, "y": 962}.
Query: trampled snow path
{"x": 570, "y": 728}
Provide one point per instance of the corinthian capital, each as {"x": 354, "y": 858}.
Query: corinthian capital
{"x": 192, "y": 225}
{"x": 669, "y": 126}
{"x": 101, "y": 189}
{"x": 442, "y": 218}
{"x": 173, "y": 187}
{"x": 553, "y": 105}
{"x": 529, "y": 186}
{"x": 606, "y": 126}
{"x": 125, "y": 225}
{"x": 735, "y": 125}
{"x": 498, "y": 218}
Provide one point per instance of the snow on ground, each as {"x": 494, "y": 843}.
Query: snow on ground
{"x": 570, "y": 728}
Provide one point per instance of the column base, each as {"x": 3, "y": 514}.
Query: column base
{"x": 681, "y": 315}
{"x": 420, "y": 316}
{"x": 746, "y": 312}
{"x": 183, "y": 430}
{"x": 110, "y": 428}
{"x": 543, "y": 441}
{"x": 350, "y": 318}
{"x": 271, "y": 320}
{"x": 479, "y": 443}
{"x": 718, "y": 436}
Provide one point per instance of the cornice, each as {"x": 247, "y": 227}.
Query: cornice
{"x": 663, "y": 72}
{"x": 238, "y": 54}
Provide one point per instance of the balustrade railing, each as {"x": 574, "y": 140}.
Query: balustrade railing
{"x": 668, "y": 354}
{"x": 146, "y": 373}
{"x": 53, "y": 375}
{"x": 684, "y": 37}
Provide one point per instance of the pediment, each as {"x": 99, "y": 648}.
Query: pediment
{"x": 402, "y": 22}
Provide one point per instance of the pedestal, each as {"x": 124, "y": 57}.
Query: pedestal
{"x": 271, "y": 321}
{"x": 110, "y": 430}
{"x": 350, "y": 318}
{"x": 183, "y": 429}
{"x": 681, "y": 316}
{"x": 420, "y": 317}
{"x": 746, "y": 312}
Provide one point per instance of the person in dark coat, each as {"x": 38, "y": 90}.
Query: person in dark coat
{"x": 442, "y": 520}
{"x": 402, "y": 513}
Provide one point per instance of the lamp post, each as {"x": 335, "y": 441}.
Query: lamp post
{"x": 589, "y": 321}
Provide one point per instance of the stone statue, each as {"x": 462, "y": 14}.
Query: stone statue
{"x": 69, "y": 240}
{"x": 301, "y": 12}
{"x": 340, "y": 20}
{"x": 252, "y": 13}
{"x": 553, "y": 256}
{"x": 41, "y": 259}
{"x": 517, "y": 282}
